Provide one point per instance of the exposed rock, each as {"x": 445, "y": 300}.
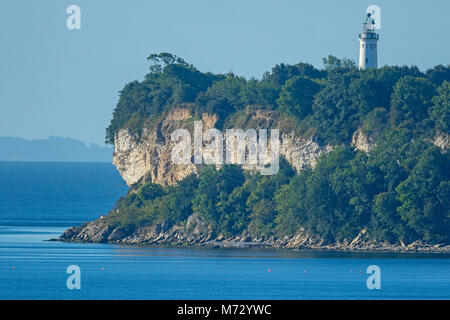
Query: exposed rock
{"x": 149, "y": 155}
{"x": 118, "y": 234}
{"x": 366, "y": 143}
{"x": 442, "y": 140}
{"x": 363, "y": 142}
{"x": 301, "y": 152}
{"x": 72, "y": 232}
{"x": 129, "y": 159}
{"x": 96, "y": 231}
{"x": 195, "y": 224}
{"x": 197, "y": 232}
{"x": 360, "y": 238}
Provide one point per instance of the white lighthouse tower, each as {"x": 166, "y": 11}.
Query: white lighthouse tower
{"x": 368, "y": 45}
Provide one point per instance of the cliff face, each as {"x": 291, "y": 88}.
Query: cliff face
{"x": 442, "y": 140}
{"x": 362, "y": 141}
{"x": 150, "y": 154}
{"x": 366, "y": 143}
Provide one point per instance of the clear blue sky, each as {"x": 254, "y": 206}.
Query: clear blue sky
{"x": 55, "y": 81}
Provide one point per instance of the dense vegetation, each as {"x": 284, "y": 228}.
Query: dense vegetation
{"x": 400, "y": 191}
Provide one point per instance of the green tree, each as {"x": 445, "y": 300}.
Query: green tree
{"x": 375, "y": 122}
{"x": 386, "y": 222}
{"x": 368, "y": 93}
{"x": 411, "y": 100}
{"x": 297, "y": 96}
{"x": 438, "y": 74}
{"x": 335, "y": 116}
{"x": 332, "y": 63}
{"x": 150, "y": 191}
{"x": 440, "y": 111}
{"x": 425, "y": 197}
{"x": 290, "y": 201}
{"x": 163, "y": 59}
{"x": 213, "y": 193}
{"x": 262, "y": 218}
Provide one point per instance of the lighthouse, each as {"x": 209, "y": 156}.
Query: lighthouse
{"x": 368, "y": 44}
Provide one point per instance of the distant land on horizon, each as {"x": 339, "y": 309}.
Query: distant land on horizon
{"x": 52, "y": 149}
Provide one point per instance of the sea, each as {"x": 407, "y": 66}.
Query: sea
{"x": 39, "y": 200}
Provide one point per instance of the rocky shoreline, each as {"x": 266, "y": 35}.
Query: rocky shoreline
{"x": 195, "y": 232}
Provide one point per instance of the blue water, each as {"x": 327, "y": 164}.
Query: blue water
{"x": 57, "y": 193}
{"x": 38, "y": 200}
